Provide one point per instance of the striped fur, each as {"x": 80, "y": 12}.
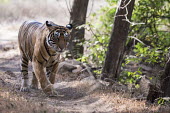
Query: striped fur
{"x": 41, "y": 44}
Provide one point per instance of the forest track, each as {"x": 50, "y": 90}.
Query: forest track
{"x": 87, "y": 95}
{"x": 79, "y": 96}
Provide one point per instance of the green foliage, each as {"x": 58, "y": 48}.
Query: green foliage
{"x": 131, "y": 58}
{"x": 154, "y": 32}
{"x": 127, "y": 76}
{"x": 130, "y": 77}
{"x": 101, "y": 28}
{"x": 151, "y": 29}
{"x": 152, "y": 55}
{"x": 163, "y": 101}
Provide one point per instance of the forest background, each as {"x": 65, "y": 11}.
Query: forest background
{"x": 147, "y": 46}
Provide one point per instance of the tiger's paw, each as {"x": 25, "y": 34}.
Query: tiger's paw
{"x": 24, "y": 86}
{"x": 51, "y": 92}
{"x": 34, "y": 86}
{"x": 24, "y": 89}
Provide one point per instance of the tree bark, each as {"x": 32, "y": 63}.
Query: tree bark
{"x": 77, "y": 18}
{"x": 154, "y": 93}
{"x": 164, "y": 90}
{"x": 165, "y": 81}
{"x": 115, "y": 52}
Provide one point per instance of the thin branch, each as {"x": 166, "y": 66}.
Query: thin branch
{"x": 125, "y": 15}
{"x": 162, "y": 17}
{"x": 63, "y": 8}
{"x": 126, "y": 18}
{"x": 69, "y": 10}
{"x": 137, "y": 39}
{"x": 70, "y": 4}
{"x": 125, "y": 6}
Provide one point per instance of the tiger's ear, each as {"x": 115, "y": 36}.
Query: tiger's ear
{"x": 69, "y": 26}
{"x": 48, "y": 24}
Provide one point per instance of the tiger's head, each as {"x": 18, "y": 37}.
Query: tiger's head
{"x": 58, "y": 36}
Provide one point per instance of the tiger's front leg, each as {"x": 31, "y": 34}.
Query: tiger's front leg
{"x": 45, "y": 84}
{"x": 53, "y": 73}
{"x": 34, "y": 83}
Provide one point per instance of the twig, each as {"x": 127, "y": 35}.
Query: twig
{"x": 125, "y": 15}
{"x": 125, "y": 6}
{"x": 63, "y": 8}
{"x": 88, "y": 70}
{"x": 69, "y": 10}
{"x": 137, "y": 39}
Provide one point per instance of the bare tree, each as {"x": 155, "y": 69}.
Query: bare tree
{"x": 77, "y": 18}
{"x": 115, "y": 52}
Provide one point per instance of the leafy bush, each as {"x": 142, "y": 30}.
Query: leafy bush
{"x": 163, "y": 100}
{"x": 154, "y": 32}
{"x": 149, "y": 27}
{"x": 130, "y": 77}
{"x": 101, "y": 27}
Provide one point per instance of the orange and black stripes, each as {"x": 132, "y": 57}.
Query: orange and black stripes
{"x": 26, "y": 45}
{"x": 46, "y": 48}
{"x": 24, "y": 68}
{"x": 41, "y": 43}
{"x": 43, "y": 56}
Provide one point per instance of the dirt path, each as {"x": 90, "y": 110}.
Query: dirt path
{"x": 79, "y": 96}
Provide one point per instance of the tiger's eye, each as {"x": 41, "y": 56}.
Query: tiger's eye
{"x": 56, "y": 34}
{"x": 66, "y": 34}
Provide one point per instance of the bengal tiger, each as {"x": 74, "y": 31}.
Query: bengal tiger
{"x": 41, "y": 44}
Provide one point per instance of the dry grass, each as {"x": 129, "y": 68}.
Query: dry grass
{"x": 98, "y": 100}
{"x": 40, "y": 10}
{"x": 18, "y": 10}
{"x": 15, "y": 12}
{"x": 11, "y": 102}
{"x": 80, "y": 96}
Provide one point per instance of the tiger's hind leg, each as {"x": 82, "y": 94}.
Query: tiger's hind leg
{"x": 24, "y": 74}
{"x": 34, "y": 83}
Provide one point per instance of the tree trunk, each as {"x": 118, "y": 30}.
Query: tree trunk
{"x": 77, "y": 18}
{"x": 165, "y": 81}
{"x": 164, "y": 90}
{"x": 154, "y": 93}
{"x": 115, "y": 52}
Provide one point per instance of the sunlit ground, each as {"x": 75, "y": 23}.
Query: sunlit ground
{"x": 80, "y": 96}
